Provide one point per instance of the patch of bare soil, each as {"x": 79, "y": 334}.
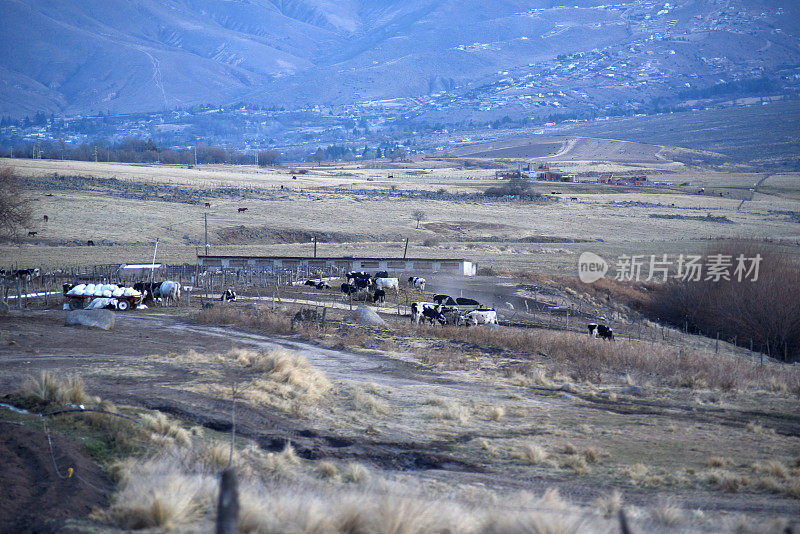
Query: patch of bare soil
{"x": 464, "y": 226}
{"x": 33, "y": 497}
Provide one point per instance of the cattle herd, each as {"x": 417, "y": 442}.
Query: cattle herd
{"x": 358, "y": 285}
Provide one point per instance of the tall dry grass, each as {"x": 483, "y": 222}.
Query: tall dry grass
{"x": 262, "y": 319}
{"x": 51, "y": 388}
{"x": 593, "y": 360}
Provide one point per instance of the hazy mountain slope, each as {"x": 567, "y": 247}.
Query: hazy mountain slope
{"x": 139, "y": 55}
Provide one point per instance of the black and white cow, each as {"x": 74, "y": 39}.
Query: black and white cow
{"x": 357, "y": 293}
{"x": 416, "y": 282}
{"x": 229, "y": 295}
{"x": 427, "y": 311}
{"x": 461, "y": 301}
{"x": 447, "y": 300}
{"x": 381, "y": 274}
{"x": 23, "y": 274}
{"x": 358, "y": 275}
{"x": 149, "y": 290}
{"x": 322, "y": 285}
{"x": 379, "y": 296}
{"x": 600, "y": 330}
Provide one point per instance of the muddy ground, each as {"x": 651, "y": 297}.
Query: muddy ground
{"x": 130, "y": 365}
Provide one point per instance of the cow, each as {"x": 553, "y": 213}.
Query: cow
{"x": 90, "y": 243}
{"x": 476, "y": 317}
{"x": 358, "y": 275}
{"x": 461, "y": 301}
{"x": 242, "y": 210}
{"x": 381, "y": 274}
{"x": 386, "y": 283}
{"x": 45, "y": 218}
{"x": 32, "y": 234}
{"x": 23, "y": 274}
{"x": 208, "y": 204}
{"x": 600, "y": 330}
{"x": 416, "y": 282}
{"x": 170, "y": 292}
{"x": 427, "y": 311}
{"x": 355, "y": 291}
{"x": 447, "y": 300}
{"x": 310, "y": 283}
{"x": 379, "y": 296}
{"x": 149, "y": 290}
{"x": 229, "y": 295}
{"x": 322, "y": 285}
{"x": 67, "y": 287}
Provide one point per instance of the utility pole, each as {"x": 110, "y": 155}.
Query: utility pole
{"x": 315, "y": 246}
{"x": 153, "y": 266}
{"x": 205, "y": 217}
{"x": 195, "y": 155}
{"x": 406, "y": 249}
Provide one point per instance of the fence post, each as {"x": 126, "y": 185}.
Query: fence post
{"x": 228, "y": 504}
{"x": 716, "y": 345}
{"x": 623, "y": 523}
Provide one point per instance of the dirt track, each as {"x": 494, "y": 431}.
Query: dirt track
{"x": 116, "y": 366}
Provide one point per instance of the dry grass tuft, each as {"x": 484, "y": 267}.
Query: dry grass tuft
{"x": 365, "y": 401}
{"x": 496, "y": 413}
{"x": 718, "y": 461}
{"x": 356, "y": 473}
{"x": 284, "y": 378}
{"x": 772, "y": 468}
{"x": 668, "y": 514}
{"x": 162, "y": 427}
{"x": 793, "y": 489}
{"x": 450, "y": 410}
{"x": 532, "y": 454}
{"x": 327, "y": 469}
{"x": 569, "y": 448}
{"x": 636, "y": 472}
{"x": 610, "y": 503}
{"x": 577, "y": 463}
{"x": 48, "y": 388}
{"x": 592, "y": 454}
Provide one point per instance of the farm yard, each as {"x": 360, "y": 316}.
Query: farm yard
{"x": 341, "y": 415}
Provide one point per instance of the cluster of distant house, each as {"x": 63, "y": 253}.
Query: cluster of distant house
{"x": 544, "y": 173}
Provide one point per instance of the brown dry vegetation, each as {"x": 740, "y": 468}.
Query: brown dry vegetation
{"x": 587, "y": 359}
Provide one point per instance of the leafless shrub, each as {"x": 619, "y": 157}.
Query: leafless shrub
{"x": 15, "y": 207}
{"x": 766, "y": 310}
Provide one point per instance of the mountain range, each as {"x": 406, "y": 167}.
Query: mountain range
{"x": 70, "y": 57}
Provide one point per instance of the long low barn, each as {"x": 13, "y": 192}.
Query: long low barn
{"x": 392, "y": 265}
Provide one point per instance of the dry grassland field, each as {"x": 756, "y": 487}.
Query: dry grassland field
{"x": 345, "y": 424}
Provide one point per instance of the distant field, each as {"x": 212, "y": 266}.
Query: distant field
{"x": 373, "y": 218}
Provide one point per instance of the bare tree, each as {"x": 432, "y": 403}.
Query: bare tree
{"x": 418, "y": 215}
{"x": 15, "y": 207}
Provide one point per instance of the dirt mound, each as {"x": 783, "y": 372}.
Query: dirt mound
{"x": 34, "y": 498}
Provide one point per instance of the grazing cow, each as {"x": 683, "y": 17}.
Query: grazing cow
{"x": 208, "y": 204}
{"x": 379, "y": 296}
{"x": 447, "y": 300}
{"x": 242, "y": 210}
{"x": 23, "y": 274}
{"x": 322, "y": 285}
{"x": 90, "y": 243}
{"x": 229, "y": 295}
{"x": 476, "y": 317}
{"x": 170, "y": 292}
{"x": 45, "y": 218}
{"x": 31, "y": 234}
{"x": 461, "y": 301}
{"x": 357, "y": 293}
{"x": 600, "y": 330}
{"x": 310, "y": 283}
{"x": 387, "y": 283}
{"x": 149, "y": 290}
{"x": 358, "y": 275}
{"x": 381, "y": 274}
{"x": 427, "y": 311}
{"x": 416, "y": 282}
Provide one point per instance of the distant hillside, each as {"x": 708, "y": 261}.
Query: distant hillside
{"x": 486, "y": 58}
